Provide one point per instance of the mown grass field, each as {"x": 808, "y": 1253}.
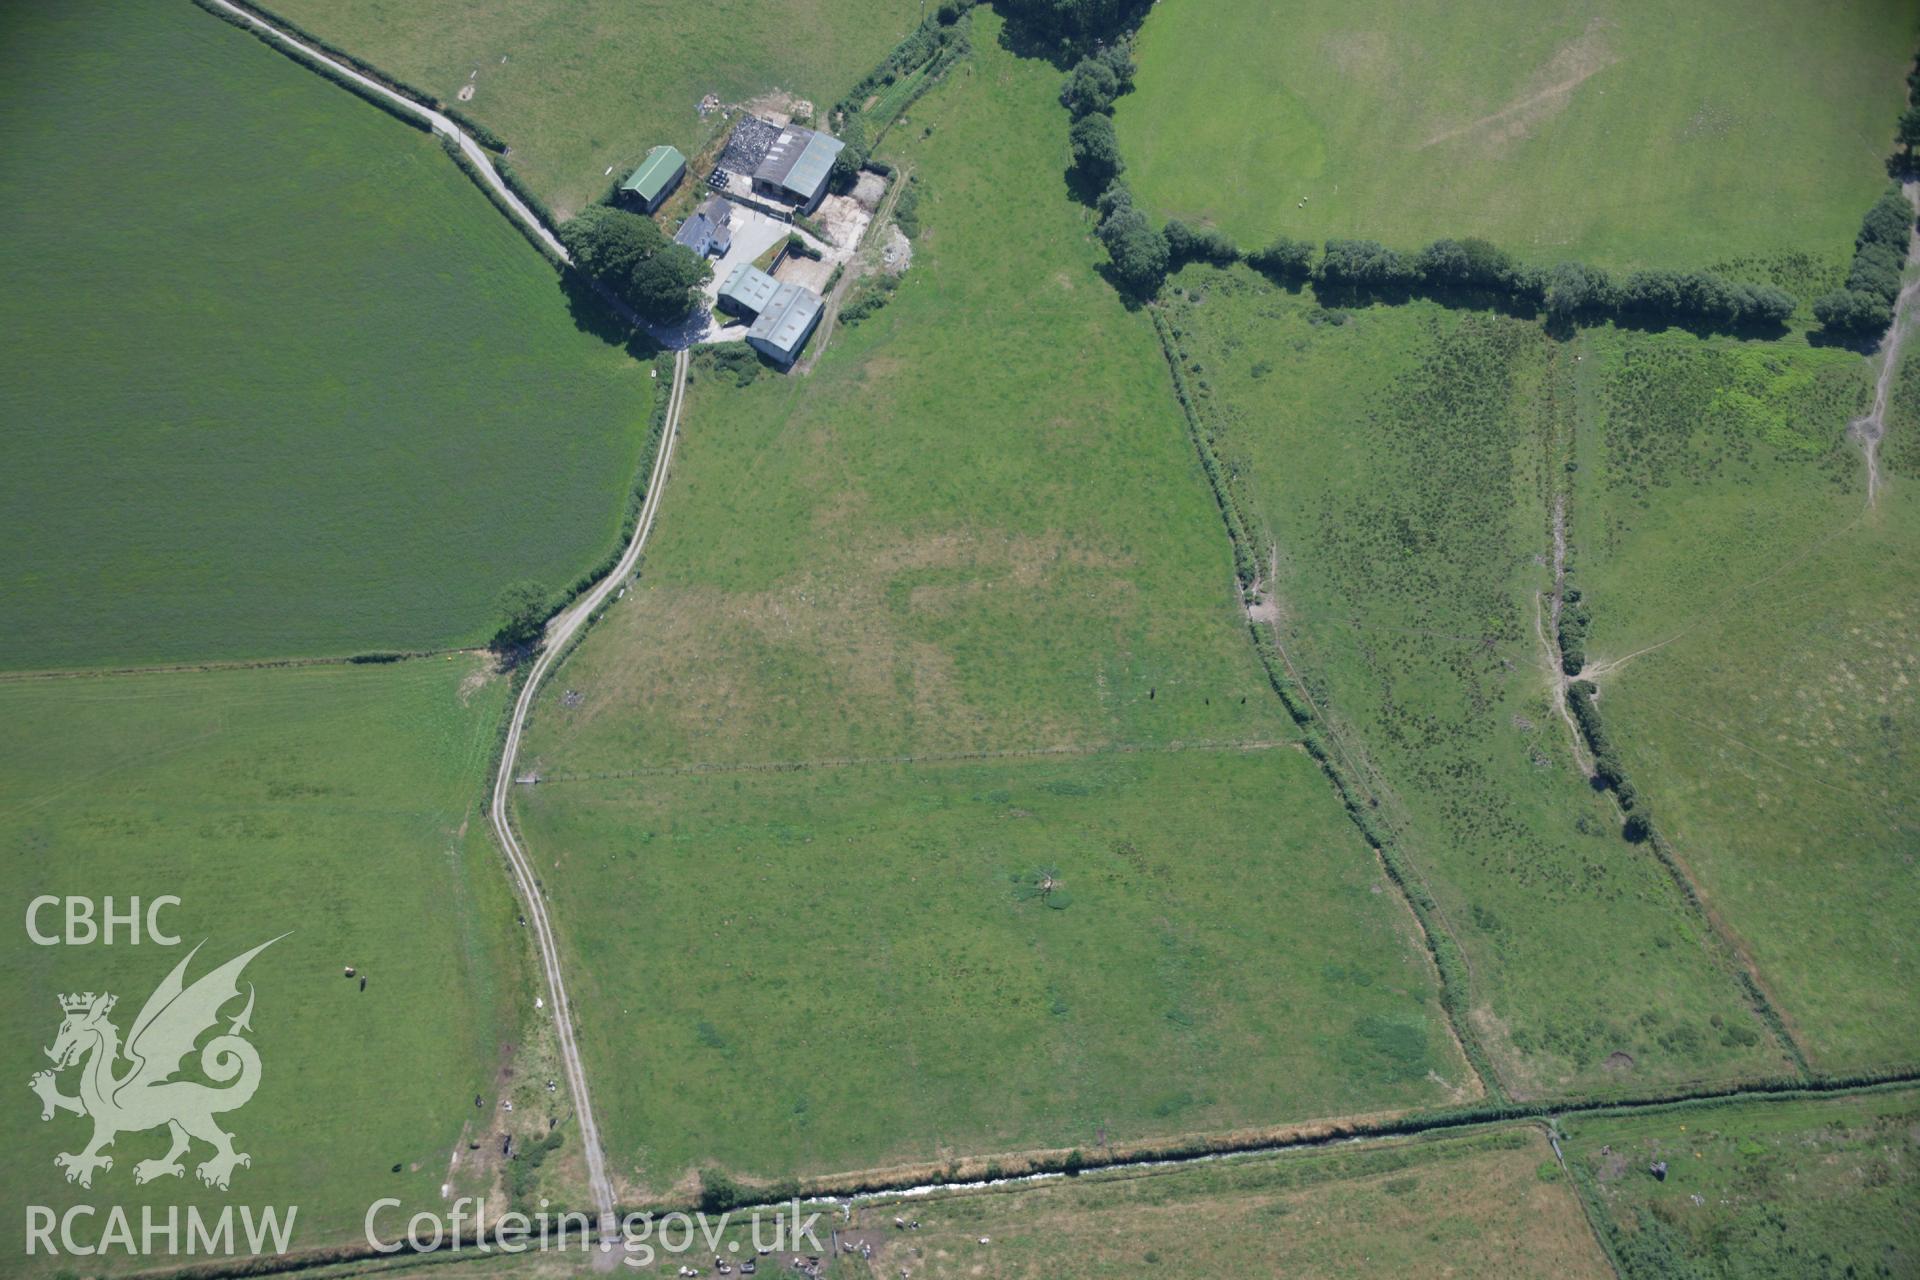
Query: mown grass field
{"x": 280, "y": 381}
{"x": 847, "y": 968}
{"x": 1754, "y": 645}
{"x": 1625, "y": 132}
{"x": 1820, "y": 1186}
{"x": 992, "y": 570}
{"x": 574, "y": 88}
{"x": 1402, "y": 461}
{"x": 344, "y": 804}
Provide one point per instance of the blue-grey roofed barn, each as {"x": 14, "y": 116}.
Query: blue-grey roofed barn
{"x": 786, "y": 323}
{"x": 797, "y": 166}
{"x": 747, "y": 290}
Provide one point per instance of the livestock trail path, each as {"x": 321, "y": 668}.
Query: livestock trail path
{"x": 1870, "y": 429}
{"x": 559, "y": 633}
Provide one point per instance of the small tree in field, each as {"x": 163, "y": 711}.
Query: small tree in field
{"x": 523, "y": 608}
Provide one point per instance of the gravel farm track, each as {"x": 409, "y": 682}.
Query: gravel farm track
{"x": 560, "y": 632}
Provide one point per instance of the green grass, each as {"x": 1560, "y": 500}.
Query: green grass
{"x": 1763, "y": 620}
{"x": 341, "y": 803}
{"x": 989, "y": 566}
{"x": 280, "y": 381}
{"x": 1626, "y": 132}
{"x": 589, "y": 85}
{"x": 1402, "y": 463}
{"x": 1814, "y": 1187}
{"x": 847, "y": 968}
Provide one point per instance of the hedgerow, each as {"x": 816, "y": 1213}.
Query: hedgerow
{"x": 1864, "y": 308}
{"x": 326, "y": 72}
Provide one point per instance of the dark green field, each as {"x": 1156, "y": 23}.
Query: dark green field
{"x": 279, "y": 380}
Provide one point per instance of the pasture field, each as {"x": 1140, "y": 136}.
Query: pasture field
{"x": 975, "y": 594}
{"x": 342, "y": 806}
{"x": 1403, "y": 462}
{"x": 1809, "y": 1187}
{"x": 576, "y": 87}
{"x": 950, "y": 537}
{"x": 828, "y": 969}
{"x": 279, "y": 381}
{"x": 1753, "y": 642}
{"x": 1626, "y": 132}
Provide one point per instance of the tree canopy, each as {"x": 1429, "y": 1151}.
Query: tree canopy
{"x": 658, "y": 278}
{"x": 1096, "y": 150}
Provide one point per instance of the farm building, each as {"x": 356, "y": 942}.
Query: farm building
{"x": 708, "y": 230}
{"x": 796, "y": 167}
{"x": 655, "y": 179}
{"x": 747, "y": 290}
{"x": 786, "y": 323}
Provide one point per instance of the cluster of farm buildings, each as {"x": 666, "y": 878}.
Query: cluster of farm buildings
{"x": 777, "y": 170}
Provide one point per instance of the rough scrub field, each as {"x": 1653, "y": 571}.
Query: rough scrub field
{"x": 1401, "y": 463}
{"x": 279, "y": 381}
{"x": 342, "y": 806}
{"x": 576, "y": 87}
{"x": 1404, "y": 1208}
{"x": 1811, "y": 1187}
{"x": 990, "y": 570}
{"x": 1753, "y": 644}
{"x": 1625, "y": 132}
{"x": 1414, "y": 1208}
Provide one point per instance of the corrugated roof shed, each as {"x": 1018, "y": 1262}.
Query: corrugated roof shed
{"x": 799, "y": 160}
{"x": 749, "y": 288}
{"x": 655, "y": 173}
{"x": 787, "y": 320}
{"x": 815, "y": 163}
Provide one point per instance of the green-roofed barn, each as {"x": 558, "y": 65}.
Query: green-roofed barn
{"x": 655, "y": 179}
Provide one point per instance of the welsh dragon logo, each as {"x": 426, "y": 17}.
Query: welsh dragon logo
{"x": 145, "y": 1095}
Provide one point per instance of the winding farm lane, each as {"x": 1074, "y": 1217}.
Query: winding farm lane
{"x": 441, "y": 124}
{"x": 1870, "y": 429}
{"x": 559, "y": 632}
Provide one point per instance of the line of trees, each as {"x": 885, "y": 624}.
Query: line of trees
{"x": 1141, "y": 255}
{"x": 1072, "y": 24}
{"x": 632, "y": 256}
{"x": 1567, "y": 292}
{"x": 1864, "y": 308}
